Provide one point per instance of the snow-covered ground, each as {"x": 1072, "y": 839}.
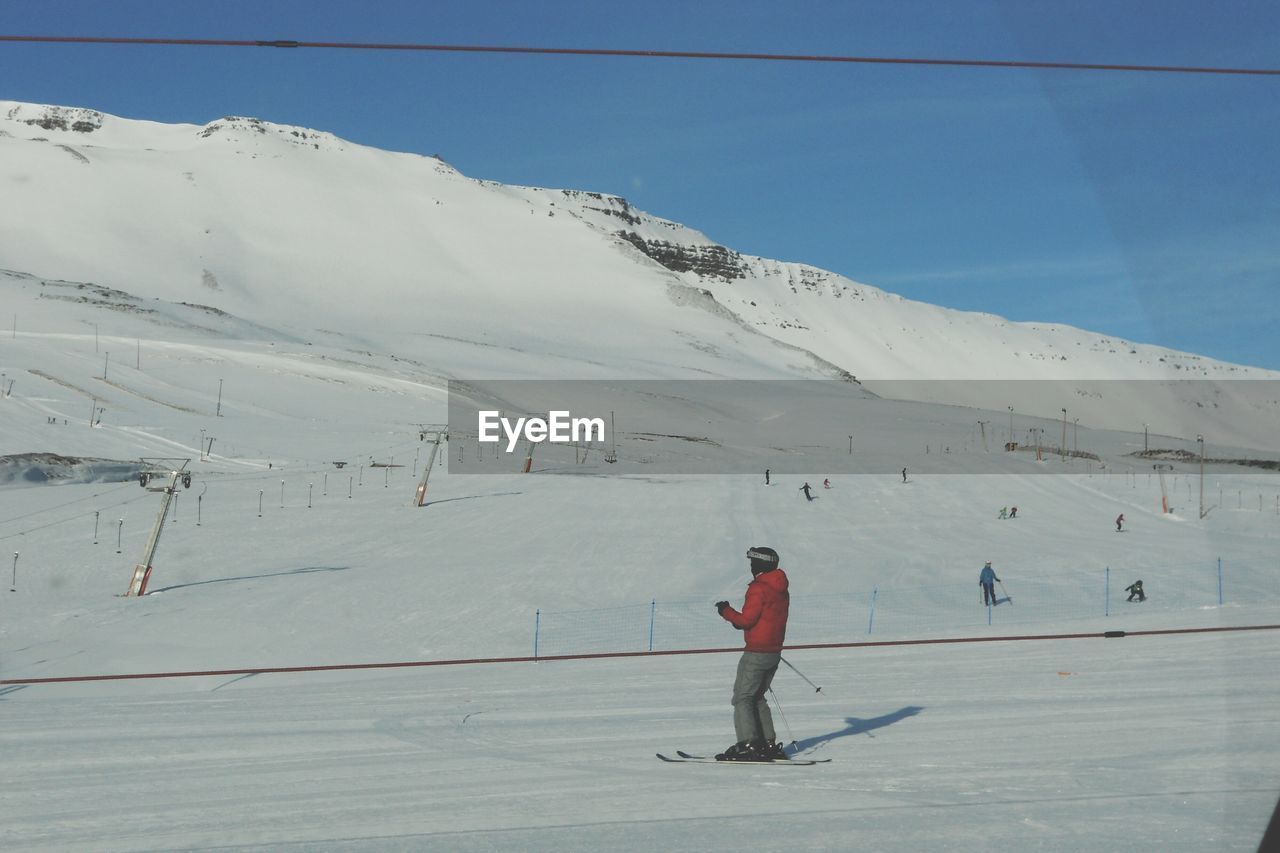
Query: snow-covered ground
{"x": 1141, "y": 743}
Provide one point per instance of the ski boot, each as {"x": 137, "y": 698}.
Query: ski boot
{"x": 768, "y": 750}
{"x": 741, "y": 751}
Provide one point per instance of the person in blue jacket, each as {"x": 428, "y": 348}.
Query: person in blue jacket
{"x": 987, "y": 580}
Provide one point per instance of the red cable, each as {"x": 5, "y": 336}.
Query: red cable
{"x": 597, "y": 655}
{"x": 660, "y": 54}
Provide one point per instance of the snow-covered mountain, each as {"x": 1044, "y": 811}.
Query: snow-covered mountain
{"x": 292, "y": 234}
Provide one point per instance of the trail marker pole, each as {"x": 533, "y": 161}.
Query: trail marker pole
{"x": 13, "y": 586}
{"x": 95, "y": 526}
{"x": 653, "y": 612}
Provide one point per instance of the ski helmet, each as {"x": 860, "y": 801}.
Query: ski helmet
{"x": 762, "y": 559}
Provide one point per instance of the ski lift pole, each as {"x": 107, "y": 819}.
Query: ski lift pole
{"x": 420, "y": 496}
{"x": 142, "y": 571}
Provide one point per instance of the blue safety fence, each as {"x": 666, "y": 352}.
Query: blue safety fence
{"x": 892, "y": 612}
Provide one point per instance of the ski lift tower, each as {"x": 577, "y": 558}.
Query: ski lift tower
{"x": 437, "y": 434}
{"x": 157, "y": 469}
{"x": 1164, "y": 492}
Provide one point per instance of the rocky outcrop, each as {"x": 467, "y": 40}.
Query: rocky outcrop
{"x": 708, "y": 261}
{"x": 73, "y": 119}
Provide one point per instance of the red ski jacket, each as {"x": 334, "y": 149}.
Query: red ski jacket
{"x": 764, "y": 612}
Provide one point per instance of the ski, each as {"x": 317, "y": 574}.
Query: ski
{"x": 683, "y": 754}
{"x": 685, "y": 758}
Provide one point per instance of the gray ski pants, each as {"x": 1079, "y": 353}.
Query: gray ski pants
{"x": 751, "y": 717}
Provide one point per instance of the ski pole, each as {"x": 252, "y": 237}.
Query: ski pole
{"x": 783, "y": 715}
{"x": 816, "y": 688}
{"x": 1006, "y": 592}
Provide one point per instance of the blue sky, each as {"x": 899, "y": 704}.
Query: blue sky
{"x": 1141, "y": 205}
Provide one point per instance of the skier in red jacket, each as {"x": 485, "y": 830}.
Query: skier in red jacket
{"x": 763, "y": 619}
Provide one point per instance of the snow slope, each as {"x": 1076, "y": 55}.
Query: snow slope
{"x": 1060, "y": 744}
{"x": 259, "y": 219}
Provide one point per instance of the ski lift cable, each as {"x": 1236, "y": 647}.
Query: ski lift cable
{"x": 71, "y": 517}
{"x": 60, "y": 506}
{"x": 648, "y": 54}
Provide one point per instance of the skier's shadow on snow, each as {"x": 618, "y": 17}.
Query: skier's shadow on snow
{"x": 301, "y": 571}
{"x": 858, "y": 726}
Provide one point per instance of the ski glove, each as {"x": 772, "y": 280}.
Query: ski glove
{"x": 721, "y": 605}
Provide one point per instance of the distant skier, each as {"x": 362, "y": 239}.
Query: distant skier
{"x": 766, "y": 476}
{"x": 1135, "y": 591}
{"x": 826, "y": 484}
{"x": 988, "y": 580}
{"x": 1119, "y": 522}
{"x": 904, "y": 475}
{"x": 1004, "y": 512}
{"x": 805, "y": 488}
{"x": 1013, "y": 513}
{"x": 764, "y": 621}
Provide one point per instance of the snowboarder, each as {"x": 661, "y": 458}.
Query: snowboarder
{"x": 1119, "y": 521}
{"x": 805, "y": 488}
{"x": 826, "y": 484}
{"x": 1004, "y": 512}
{"x": 764, "y": 620}
{"x": 1013, "y": 512}
{"x": 988, "y": 580}
{"x": 904, "y": 475}
{"x": 766, "y": 476}
{"x": 1135, "y": 591}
